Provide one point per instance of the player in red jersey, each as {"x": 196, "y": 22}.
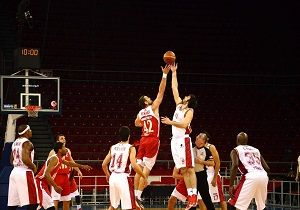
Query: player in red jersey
{"x": 22, "y": 185}
{"x": 254, "y": 180}
{"x": 148, "y": 119}
{"x": 62, "y": 178}
{"x": 48, "y": 173}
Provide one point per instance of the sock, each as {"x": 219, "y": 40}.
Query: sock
{"x": 78, "y": 207}
{"x": 135, "y": 192}
{"x": 138, "y": 194}
{"x": 190, "y": 191}
{"x": 194, "y": 191}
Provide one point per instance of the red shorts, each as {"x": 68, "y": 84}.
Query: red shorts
{"x": 62, "y": 180}
{"x": 149, "y": 147}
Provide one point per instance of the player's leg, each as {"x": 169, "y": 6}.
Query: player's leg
{"x": 114, "y": 194}
{"x": 126, "y": 191}
{"x": 261, "y": 191}
{"x": 223, "y": 205}
{"x": 137, "y": 178}
{"x": 201, "y": 205}
{"x": 172, "y": 202}
{"x": 202, "y": 186}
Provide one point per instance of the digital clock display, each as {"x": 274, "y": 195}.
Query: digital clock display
{"x": 27, "y": 58}
{"x": 30, "y": 52}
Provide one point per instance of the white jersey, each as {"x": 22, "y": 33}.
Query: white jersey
{"x": 178, "y": 116}
{"x": 17, "y": 152}
{"x": 249, "y": 159}
{"x": 120, "y": 162}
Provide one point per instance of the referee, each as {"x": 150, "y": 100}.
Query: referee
{"x": 203, "y": 158}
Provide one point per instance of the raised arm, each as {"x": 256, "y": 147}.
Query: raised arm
{"x": 162, "y": 87}
{"x": 177, "y": 99}
{"x": 27, "y": 148}
{"x": 217, "y": 162}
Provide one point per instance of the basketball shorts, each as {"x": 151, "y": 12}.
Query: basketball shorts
{"x": 180, "y": 192}
{"x": 182, "y": 153}
{"x": 22, "y": 188}
{"x": 61, "y": 180}
{"x": 251, "y": 185}
{"x": 73, "y": 189}
{"x": 46, "y": 200}
{"x": 216, "y": 193}
{"x": 147, "y": 152}
{"x": 121, "y": 189}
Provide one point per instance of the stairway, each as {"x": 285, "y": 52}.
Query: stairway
{"x": 42, "y": 137}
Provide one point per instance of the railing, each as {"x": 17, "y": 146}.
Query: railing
{"x": 280, "y": 193}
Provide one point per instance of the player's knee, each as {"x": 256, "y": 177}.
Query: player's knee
{"x": 172, "y": 201}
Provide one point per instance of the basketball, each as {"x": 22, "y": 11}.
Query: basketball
{"x": 169, "y": 57}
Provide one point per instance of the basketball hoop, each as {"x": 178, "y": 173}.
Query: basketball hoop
{"x": 33, "y": 111}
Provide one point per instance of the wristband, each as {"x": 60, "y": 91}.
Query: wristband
{"x": 164, "y": 75}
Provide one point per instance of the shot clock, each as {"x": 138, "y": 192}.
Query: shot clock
{"x": 27, "y": 58}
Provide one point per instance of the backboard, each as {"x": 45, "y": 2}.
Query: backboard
{"x": 20, "y": 91}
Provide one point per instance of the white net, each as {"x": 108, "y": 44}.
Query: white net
{"x": 32, "y": 111}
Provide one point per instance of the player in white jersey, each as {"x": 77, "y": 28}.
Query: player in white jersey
{"x": 181, "y": 144}
{"x": 148, "y": 120}
{"x": 120, "y": 158}
{"x": 22, "y": 185}
{"x": 254, "y": 180}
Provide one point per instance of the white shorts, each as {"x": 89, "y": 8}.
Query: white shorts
{"x": 73, "y": 194}
{"x": 216, "y": 192}
{"x": 121, "y": 189}
{"x": 22, "y": 188}
{"x": 148, "y": 162}
{"x": 252, "y": 185}
{"x": 46, "y": 200}
{"x": 58, "y": 197}
{"x": 182, "y": 153}
{"x": 178, "y": 195}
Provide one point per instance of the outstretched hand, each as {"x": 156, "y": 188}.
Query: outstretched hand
{"x": 166, "y": 120}
{"x": 174, "y": 67}
{"x": 166, "y": 69}
{"x": 87, "y": 167}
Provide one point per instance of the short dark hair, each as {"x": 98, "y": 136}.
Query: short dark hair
{"x": 192, "y": 102}
{"x": 57, "y": 146}
{"x": 58, "y": 135}
{"x": 124, "y": 133}
{"x": 142, "y": 101}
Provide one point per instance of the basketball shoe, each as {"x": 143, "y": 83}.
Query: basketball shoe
{"x": 192, "y": 201}
{"x": 139, "y": 205}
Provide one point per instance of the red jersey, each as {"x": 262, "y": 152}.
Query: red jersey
{"x": 41, "y": 174}
{"x": 64, "y": 169}
{"x": 150, "y": 122}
